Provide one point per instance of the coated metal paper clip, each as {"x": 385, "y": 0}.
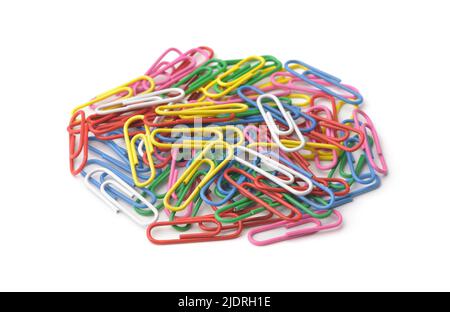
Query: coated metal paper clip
{"x": 116, "y": 183}
{"x": 141, "y": 101}
{"x": 355, "y": 99}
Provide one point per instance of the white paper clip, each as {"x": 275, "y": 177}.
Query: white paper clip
{"x": 290, "y": 173}
{"x": 141, "y": 101}
{"x": 118, "y": 184}
{"x": 275, "y": 131}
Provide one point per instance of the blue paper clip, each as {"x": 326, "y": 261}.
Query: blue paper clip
{"x": 365, "y": 178}
{"x": 361, "y": 191}
{"x": 229, "y": 194}
{"x": 340, "y": 201}
{"x": 369, "y": 188}
{"x": 114, "y": 193}
{"x": 121, "y": 153}
{"x": 328, "y": 78}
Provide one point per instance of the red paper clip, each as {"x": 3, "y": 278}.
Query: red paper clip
{"x": 102, "y": 125}
{"x": 295, "y": 214}
{"x": 208, "y": 236}
{"x": 338, "y": 141}
{"x": 331, "y": 99}
{"x": 78, "y": 127}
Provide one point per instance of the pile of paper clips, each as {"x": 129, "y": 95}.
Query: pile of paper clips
{"x": 220, "y": 146}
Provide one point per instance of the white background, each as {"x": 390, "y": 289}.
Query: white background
{"x": 55, "y": 235}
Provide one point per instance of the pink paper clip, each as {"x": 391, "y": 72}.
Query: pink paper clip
{"x": 318, "y": 227}
{"x": 201, "y": 55}
{"x": 165, "y": 60}
{"x": 298, "y": 85}
{"x": 261, "y": 136}
{"x": 365, "y": 125}
{"x": 166, "y": 74}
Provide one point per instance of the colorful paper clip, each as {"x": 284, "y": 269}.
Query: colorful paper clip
{"x": 317, "y": 227}
{"x": 141, "y": 101}
{"x": 115, "y": 182}
{"x": 214, "y": 146}
{"x": 205, "y": 236}
{"x": 290, "y": 174}
{"x": 132, "y": 153}
{"x": 122, "y": 92}
{"x": 200, "y": 160}
{"x": 276, "y": 131}
{"x": 82, "y": 148}
{"x": 356, "y": 98}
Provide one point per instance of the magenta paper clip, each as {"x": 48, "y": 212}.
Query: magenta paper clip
{"x": 164, "y": 60}
{"x": 163, "y": 68}
{"x": 201, "y": 55}
{"x": 169, "y": 73}
{"x": 366, "y": 125}
{"x": 318, "y": 227}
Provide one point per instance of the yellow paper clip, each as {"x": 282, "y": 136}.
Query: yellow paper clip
{"x": 261, "y": 61}
{"x": 122, "y": 92}
{"x": 309, "y": 151}
{"x": 132, "y": 153}
{"x": 270, "y": 84}
{"x": 295, "y": 96}
{"x": 187, "y": 143}
{"x": 235, "y": 83}
{"x": 194, "y": 167}
{"x": 200, "y": 109}
{"x": 313, "y": 150}
{"x": 220, "y": 134}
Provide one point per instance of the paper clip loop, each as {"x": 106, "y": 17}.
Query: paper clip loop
{"x": 197, "y": 136}
{"x": 368, "y": 124}
{"x": 201, "y": 76}
{"x": 133, "y": 154}
{"x": 212, "y": 234}
{"x": 83, "y": 133}
{"x": 295, "y": 111}
{"x": 190, "y": 141}
{"x": 339, "y": 128}
{"x": 294, "y": 215}
{"x": 318, "y": 227}
{"x": 122, "y": 92}
{"x": 291, "y": 174}
{"x": 166, "y": 73}
{"x": 118, "y": 184}
{"x": 233, "y": 84}
{"x": 334, "y": 81}
{"x": 141, "y": 101}
{"x": 200, "y": 109}
{"x": 275, "y": 131}
{"x": 193, "y": 168}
